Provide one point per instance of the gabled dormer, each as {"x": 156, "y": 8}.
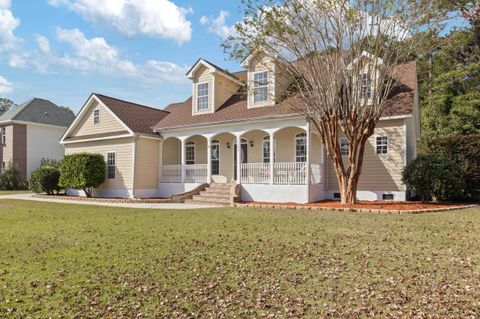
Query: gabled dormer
{"x": 212, "y": 87}
{"x": 267, "y": 80}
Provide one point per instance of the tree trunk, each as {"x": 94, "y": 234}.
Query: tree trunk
{"x": 347, "y": 186}
{"x": 88, "y": 192}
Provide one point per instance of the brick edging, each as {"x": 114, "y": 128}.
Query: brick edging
{"x": 356, "y": 210}
{"x": 102, "y": 200}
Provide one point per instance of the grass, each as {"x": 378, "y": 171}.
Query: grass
{"x": 14, "y": 192}
{"x": 68, "y": 261}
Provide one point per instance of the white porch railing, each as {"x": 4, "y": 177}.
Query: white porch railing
{"x": 193, "y": 173}
{"x": 255, "y": 173}
{"x": 196, "y": 173}
{"x": 171, "y": 174}
{"x": 316, "y": 174}
{"x": 290, "y": 173}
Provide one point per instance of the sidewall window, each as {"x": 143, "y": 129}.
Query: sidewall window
{"x": 111, "y": 165}
{"x": 382, "y": 145}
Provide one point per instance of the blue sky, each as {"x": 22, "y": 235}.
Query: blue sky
{"x": 139, "y": 50}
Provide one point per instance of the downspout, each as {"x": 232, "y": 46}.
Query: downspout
{"x": 133, "y": 163}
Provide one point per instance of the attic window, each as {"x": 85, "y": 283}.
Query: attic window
{"x": 96, "y": 116}
{"x": 366, "y": 86}
{"x": 260, "y": 87}
{"x": 202, "y": 96}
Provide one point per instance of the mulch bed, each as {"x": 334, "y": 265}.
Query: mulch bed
{"x": 364, "y": 206}
{"x": 104, "y": 200}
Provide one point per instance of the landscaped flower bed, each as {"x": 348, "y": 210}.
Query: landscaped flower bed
{"x": 104, "y": 200}
{"x": 365, "y": 206}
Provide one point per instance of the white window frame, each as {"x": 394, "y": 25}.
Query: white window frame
{"x": 366, "y": 84}
{"x": 257, "y": 86}
{"x": 4, "y": 135}
{"x": 190, "y": 145}
{"x": 344, "y": 147}
{"x": 266, "y": 140}
{"x": 110, "y": 165}
{"x": 215, "y": 143}
{"x": 298, "y": 137}
{"x": 383, "y": 145}
{"x": 198, "y": 109}
{"x": 96, "y": 116}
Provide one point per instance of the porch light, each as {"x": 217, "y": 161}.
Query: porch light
{"x": 251, "y": 143}
{"x": 228, "y": 144}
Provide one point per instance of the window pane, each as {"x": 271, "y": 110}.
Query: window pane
{"x": 382, "y": 144}
{"x": 260, "y": 87}
{"x": 190, "y": 154}
{"x": 366, "y": 86}
{"x": 202, "y": 96}
{"x": 301, "y": 148}
{"x": 344, "y": 146}
{"x": 111, "y": 165}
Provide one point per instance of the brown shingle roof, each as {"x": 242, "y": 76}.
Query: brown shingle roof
{"x": 139, "y": 118}
{"x": 235, "y": 108}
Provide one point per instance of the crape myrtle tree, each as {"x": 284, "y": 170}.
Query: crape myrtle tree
{"x": 342, "y": 58}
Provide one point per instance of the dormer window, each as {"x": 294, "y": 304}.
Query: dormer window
{"x": 366, "y": 86}
{"x": 96, "y": 116}
{"x": 260, "y": 87}
{"x": 202, "y": 96}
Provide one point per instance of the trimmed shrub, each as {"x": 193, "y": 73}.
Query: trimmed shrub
{"x": 465, "y": 151}
{"x": 50, "y": 162}
{"x": 431, "y": 176}
{"x": 45, "y": 179}
{"x": 10, "y": 179}
{"x": 83, "y": 171}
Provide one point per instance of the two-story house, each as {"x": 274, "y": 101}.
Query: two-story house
{"x": 238, "y": 128}
{"x": 30, "y": 132}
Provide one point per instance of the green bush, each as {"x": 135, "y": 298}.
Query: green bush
{"x": 45, "y": 179}
{"x": 10, "y": 179}
{"x": 50, "y": 162}
{"x": 465, "y": 151}
{"x": 431, "y": 176}
{"x": 83, "y": 171}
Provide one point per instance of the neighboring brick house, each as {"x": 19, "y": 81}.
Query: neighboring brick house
{"x": 31, "y": 131}
{"x": 244, "y": 116}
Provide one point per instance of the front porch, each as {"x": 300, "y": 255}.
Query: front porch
{"x": 277, "y": 163}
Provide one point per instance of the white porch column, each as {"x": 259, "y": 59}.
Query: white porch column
{"x": 308, "y": 161}
{"x": 272, "y": 156}
{"x": 239, "y": 155}
{"x": 209, "y": 160}
{"x": 183, "y": 159}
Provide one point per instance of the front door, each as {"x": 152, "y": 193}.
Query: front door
{"x": 243, "y": 156}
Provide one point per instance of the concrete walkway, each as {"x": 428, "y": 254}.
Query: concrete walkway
{"x": 124, "y": 205}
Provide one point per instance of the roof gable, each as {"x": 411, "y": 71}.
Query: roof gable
{"x": 117, "y": 117}
{"x": 39, "y": 111}
{"x": 213, "y": 69}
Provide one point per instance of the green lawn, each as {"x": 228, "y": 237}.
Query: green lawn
{"x": 14, "y": 192}
{"x": 68, "y": 261}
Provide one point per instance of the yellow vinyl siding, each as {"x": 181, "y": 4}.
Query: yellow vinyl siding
{"x": 200, "y": 149}
{"x": 123, "y": 149}
{"x": 203, "y": 75}
{"x": 147, "y": 163}
{"x": 224, "y": 89}
{"x": 380, "y": 172}
{"x": 286, "y": 143}
{"x": 171, "y": 152}
{"x": 108, "y": 123}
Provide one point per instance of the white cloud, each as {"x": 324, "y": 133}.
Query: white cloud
{"x": 5, "y": 86}
{"x": 156, "y": 18}
{"x": 43, "y": 44}
{"x": 96, "y": 55}
{"x": 8, "y": 23}
{"x": 217, "y": 25}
